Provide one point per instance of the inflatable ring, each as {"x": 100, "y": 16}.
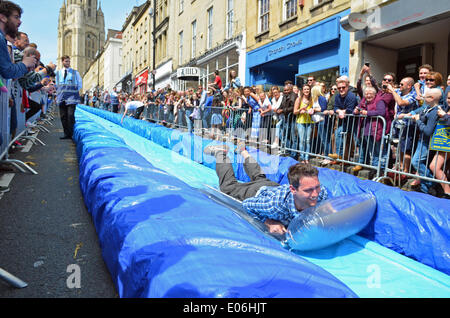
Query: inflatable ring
{"x": 330, "y": 222}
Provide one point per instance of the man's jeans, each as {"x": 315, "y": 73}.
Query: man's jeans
{"x": 187, "y": 113}
{"x": 418, "y": 162}
{"x": 304, "y": 140}
{"x": 325, "y": 137}
{"x": 369, "y": 148}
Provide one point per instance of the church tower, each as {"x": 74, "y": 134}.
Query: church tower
{"x": 81, "y": 32}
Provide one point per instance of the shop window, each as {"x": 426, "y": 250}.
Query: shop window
{"x": 327, "y": 76}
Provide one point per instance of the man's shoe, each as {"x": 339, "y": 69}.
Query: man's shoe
{"x": 65, "y": 137}
{"x": 215, "y": 149}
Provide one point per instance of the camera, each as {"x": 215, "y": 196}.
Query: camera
{"x": 367, "y": 64}
{"x": 384, "y": 86}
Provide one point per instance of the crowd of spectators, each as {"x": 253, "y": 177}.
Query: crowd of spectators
{"x": 26, "y": 83}
{"x": 340, "y": 122}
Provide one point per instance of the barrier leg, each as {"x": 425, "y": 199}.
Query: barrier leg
{"x": 33, "y": 139}
{"x": 12, "y": 280}
{"x": 16, "y": 163}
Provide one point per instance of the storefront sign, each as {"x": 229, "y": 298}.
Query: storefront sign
{"x": 141, "y": 79}
{"x": 287, "y": 46}
{"x": 185, "y": 73}
{"x": 441, "y": 138}
{"x": 317, "y": 34}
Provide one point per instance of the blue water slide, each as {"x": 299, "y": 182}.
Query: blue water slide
{"x": 161, "y": 237}
{"x": 368, "y": 263}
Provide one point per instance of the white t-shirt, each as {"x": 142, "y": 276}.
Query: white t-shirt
{"x": 276, "y": 103}
{"x": 133, "y": 105}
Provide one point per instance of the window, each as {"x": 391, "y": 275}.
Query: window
{"x": 317, "y": 2}
{"x": 180, "y": 48}
{"x": 210, "y": 29}
{"x": 264, "y": 9}
{"x": 230, "y": 16}
{"x": 145, "y": 52}
{"x": 290, "y": 9}
{"x": 194, "y": 38}
{"x": 181, "y": 6}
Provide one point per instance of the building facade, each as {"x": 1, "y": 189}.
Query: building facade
{"x": 291, "y": 40}
{"x": 208, "y": 36}
{"x": 93, "y": 78}
{"x": 142, "y": 43}
{"x": 399, "y": 36}
{"x": 81, "y": 32}
{"x": 113, "y": 60}
{"x": 162, "y": 44}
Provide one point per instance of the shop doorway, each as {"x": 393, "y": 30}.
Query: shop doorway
{"x": 409, "y": 61}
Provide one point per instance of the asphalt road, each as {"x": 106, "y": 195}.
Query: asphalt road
{"x": 47, "y": 237}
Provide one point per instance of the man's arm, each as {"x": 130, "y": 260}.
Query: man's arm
{"x": 31, "y": 78}
{"x": 79, "y": 81}
{"x": 351, "y": 103}
{"x": 8, "y": 69}
{"x": 268, "y": 208}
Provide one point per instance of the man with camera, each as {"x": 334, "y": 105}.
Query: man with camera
{"x": 405, "y": 99}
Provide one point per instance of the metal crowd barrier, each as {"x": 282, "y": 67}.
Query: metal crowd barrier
{"x": 349, "y": 142}
{"x": 354, "y": 140}
{"x": 24, "y": 131}
{"x": 5, "y": 113}
{"x": 412, "y": 157}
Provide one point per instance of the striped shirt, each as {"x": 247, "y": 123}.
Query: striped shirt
{"x": 276, "y": 203}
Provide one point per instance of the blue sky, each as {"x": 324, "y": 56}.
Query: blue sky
{"x": 40, "y": 21}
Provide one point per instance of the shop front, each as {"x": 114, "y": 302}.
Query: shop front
{"x": 140, "y": 83}
{"x": 321, "y": 50}
{"x": 227, "y": 56}
{"x": 187, "y": 77}
{"x": 162, "y": 76}
{"x": 401, "y": 35}
{"x": 125, "y": 84}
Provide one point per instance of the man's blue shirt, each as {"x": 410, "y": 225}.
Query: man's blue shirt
{"x": 8, "y": 69}
{"x": 276, "y": 203}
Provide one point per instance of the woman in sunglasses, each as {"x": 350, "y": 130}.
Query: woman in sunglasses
{"x": 435, "y": 80}
{"x": 432, "y": 80}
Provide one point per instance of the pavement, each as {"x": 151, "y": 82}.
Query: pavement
{"x": 47, "y": 237}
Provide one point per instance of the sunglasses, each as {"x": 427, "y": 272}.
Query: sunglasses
{"x": 430, "y": 80}
{"x": 340, "y": 88}
{"x": 387, "y": 80}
